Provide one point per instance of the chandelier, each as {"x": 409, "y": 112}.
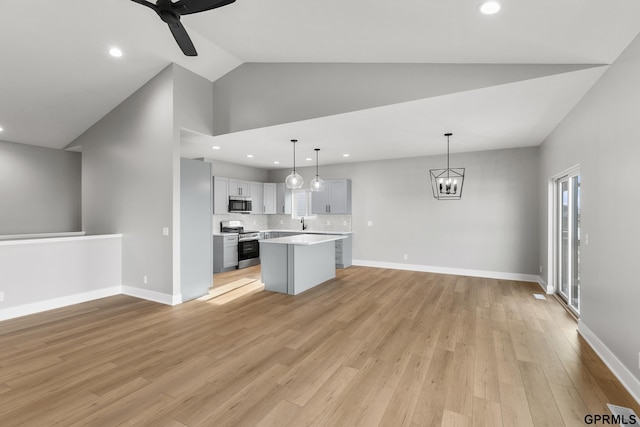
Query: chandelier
{"x": 447, "y": 183}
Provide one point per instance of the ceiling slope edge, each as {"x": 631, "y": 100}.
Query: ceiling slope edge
{"x": 256, "y": 95}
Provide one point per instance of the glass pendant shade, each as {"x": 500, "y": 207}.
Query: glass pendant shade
{"x": 294, "y": 181}
{"x": 317, "y": 183}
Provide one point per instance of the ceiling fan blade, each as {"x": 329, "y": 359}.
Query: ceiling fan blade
{"x": 186, "y": 7}
{"x": 182, "y": 38}
{"x": 146, "y": 3}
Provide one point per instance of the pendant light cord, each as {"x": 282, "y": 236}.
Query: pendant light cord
{"x": 448, "y": 169}
{"x": 294, "y": 154}
{"x": 317, "y": 149}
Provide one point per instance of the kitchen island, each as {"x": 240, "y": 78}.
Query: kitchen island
{"x": 294, "y": 264}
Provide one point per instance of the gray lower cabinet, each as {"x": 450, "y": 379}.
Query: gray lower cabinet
{"x": 343, "y": 247}
{"x": 225, "y": 252}
{"x": 343, "y": 252}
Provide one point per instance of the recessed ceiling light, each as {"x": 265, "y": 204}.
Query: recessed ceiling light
{"x": 490, "y": 7}
{"x": 115, "y": 52}
{"x": 215, "y": 147}
{"x": 276, "y": 162}
{"x": 1, "y": 129}
{"x": 250, "y": 156}
{"x": 308, "y": 159}
{"x": 345, "y": 155}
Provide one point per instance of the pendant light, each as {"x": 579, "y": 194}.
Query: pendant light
{"x": 317, "y": 183}
{"x": 447, "y": 183}
{"x": 294, "y": 181}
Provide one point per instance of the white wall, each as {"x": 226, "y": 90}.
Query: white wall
{"x": 39, "y": 189}
{"x": 42, "y": 274}
{"x": 128, "y": 183}
{"x": 493, "y": 228}
{"x": 601, "y": 134}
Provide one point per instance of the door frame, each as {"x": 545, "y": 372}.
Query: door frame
{"x": 553, "y": 227}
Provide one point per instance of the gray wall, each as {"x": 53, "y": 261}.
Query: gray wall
{"x": 196, "y": 238}
{"x": 232, "y": 170}
{"x": 39, "y": 189}
{"x": 601, "y": 134}
{"x": 127, "y": 182}
{"x": 258, "y": 94}
{"x": 493, "y": 228}
{"x": 193, "y": 101}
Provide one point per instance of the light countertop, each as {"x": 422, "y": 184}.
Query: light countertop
{"x": 303, "y": 239}
{"x": 308, "y": 232}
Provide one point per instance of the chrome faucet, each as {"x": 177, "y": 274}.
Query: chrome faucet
{"x": 304, "y": 226}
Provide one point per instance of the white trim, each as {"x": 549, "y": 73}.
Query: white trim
{"x": 37, "y": 307}
{"x": 59, "y": 239}
{"x": 547, "y": 288}
{"x": 41, "y": 235}
{"x": 628, "y": 380}
{"x": 152, "y": 295}
{"x": 448, "y": 270}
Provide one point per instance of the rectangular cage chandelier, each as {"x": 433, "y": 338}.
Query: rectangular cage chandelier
{"x": 447, "y": 183}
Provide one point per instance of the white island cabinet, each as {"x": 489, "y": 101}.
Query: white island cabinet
{"x": 294, "y": 264}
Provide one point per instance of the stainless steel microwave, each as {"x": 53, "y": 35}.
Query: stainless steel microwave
{"x": 239, "y": 204}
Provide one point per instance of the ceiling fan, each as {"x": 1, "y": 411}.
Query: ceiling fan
{"x": 171, "y": 12}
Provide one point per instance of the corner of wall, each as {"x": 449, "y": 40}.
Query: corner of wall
{"x": 628, "y": 380}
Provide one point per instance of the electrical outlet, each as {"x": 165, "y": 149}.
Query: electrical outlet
{"x": 145, "y": 280}
{"x": 281, "y": 222}
{"x": 328, "y": 222}
{"x": 165, "y": 231}
{"x": 369, "y": 223}
{"x": 1, "y": 296}
{"x": 344, "y": 223}
{"x": 406, "y": 257}
{"x": 638, "y": 353}
{"x": 540, "y": 269}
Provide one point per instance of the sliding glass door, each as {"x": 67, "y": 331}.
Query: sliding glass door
{"x": 567, "y": 266}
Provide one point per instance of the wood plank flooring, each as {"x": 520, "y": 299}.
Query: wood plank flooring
{"x": 372, "y": 347}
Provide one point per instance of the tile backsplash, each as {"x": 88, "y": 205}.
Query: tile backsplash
{"x": 319, "y": 223}
{"x": 285, "y": 222}
{"x": 251, "y": 222}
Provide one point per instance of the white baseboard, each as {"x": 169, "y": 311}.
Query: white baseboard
{"x": 37, "y": 307}
{"x": 546, "y": 288}
{"x": 448, "y": 270}
{"x": 628, "y": 380}
{"x": 152, "y": 295}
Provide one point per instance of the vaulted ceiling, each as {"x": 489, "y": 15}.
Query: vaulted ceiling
{"x": 57, "y": 78}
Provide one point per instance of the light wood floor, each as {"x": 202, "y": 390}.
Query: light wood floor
{"x": 372, "y": 347}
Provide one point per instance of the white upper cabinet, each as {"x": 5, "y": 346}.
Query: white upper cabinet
{"x": 220, "y": 195}
{"x": 334, "y": 200}
{"x": 283, "y": 199}
{"x": 269, "y": 197}
{"x": 239, "y": 188}
{"x": 255, "y": 191}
